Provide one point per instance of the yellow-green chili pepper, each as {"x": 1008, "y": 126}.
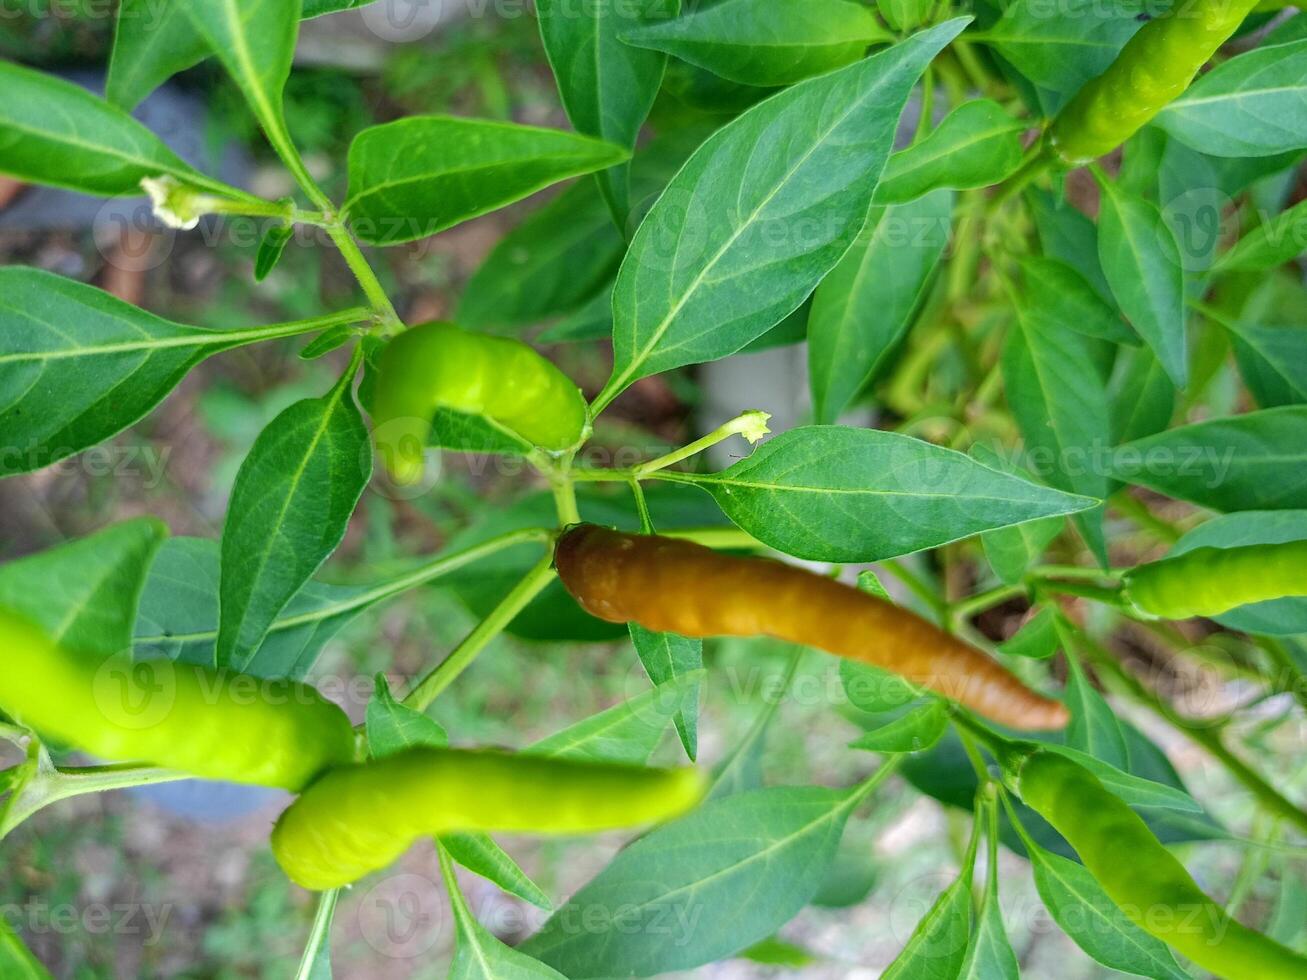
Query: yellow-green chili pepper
{"x": 361, "y": 818}
{"x": 1210, "y": 581}
{"x": 437, "y": 365}
{"x": 1154, "y": 67}
{"x": 1142, "y": 877}
{"x": 219, "y": 726}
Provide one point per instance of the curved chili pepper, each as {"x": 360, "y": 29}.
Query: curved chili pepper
{"x": 680, "y": 587}
{"x": 1142, "y": 877}
{"x": 360, "y": 818}
{"x": 1154, "y": 67}
{"x": 1210, "y": 581}
{"x": 438, "y": 365}
{"x": 179, "y": 716}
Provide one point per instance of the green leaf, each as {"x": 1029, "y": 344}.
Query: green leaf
{"x": 1080, "y": 906}
{"x": 916, "y": 731}
{"x": 255, "y": 41}
{"x": 1061, "y": 296}
{"x": 84, "y": 593}
{"x": 328, "y": 341}
{"x": 152, "y": 42}
{"x": 938, "y": 945}
{"x": 1060, "y": 53}
{"x": 666, "y": 657}
{"x": 1094, "y": 728}
{"x": 850, "y": 880}
{"x": 552, "y": 263}
{"x": 1254, "y": 105}
{"x": 1271, "y": 360}
{"x": 905, "y": 15}
{"x": 16, "y": 960}
{"x": 289, "y": 509}
{"x": 978, "y": 144}
{"x": 607, "y": 87}
{"x": 876, "y": 691}
{"x": 1256, "y": 461}
{"x": 831, "y": 493}
{"x": 766, "y": 42}
{"x": 480, "y": 956}
{"x": 459, "y": 432}
{"x": 1142, "y": 263}
{"x": 1069, "y": 236}
{"x": 1135, "y": 790}
{"x": 1270, "y": 244}
{"x": 777, "y": 952}
{"x": 630, "y": 732}
{"x": 702, "y": 888}
{"x": 414, "y": 177}
{"x": 1037, "y": 638}
{"x": 990, "y": 955}
{"x": 1012, "y": 550}
{"x": 80, "y": 366}
{"x": 866, "y": 304}
{"x": 741, "y": 770}
{"x": 740, "y": 239}
{"x": 393, "y": 726}
{"x": 272, "y": 245}
{"x": 315, "y": 963}
{"x": 1278, "y": 617}
{"x": 1141, "y": 396}
{"x": 179, "y": 614}
{"x": 593, "y": 321}
{"x": 1059, "y": 402}
{"x": 481, "y": 855}
{"x": 57, "y": 133}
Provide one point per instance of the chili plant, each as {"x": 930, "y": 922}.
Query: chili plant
{"x": 1088, "y": 370}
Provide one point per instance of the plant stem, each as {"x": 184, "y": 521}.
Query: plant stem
{"x": 1037, "y": 161}
{"x": 1207, "y": 738}
{"x": 916, "y": 586}
{"x": 319, "y": 935}
{"x": 431, "y": 686}
{"x": 966, "y": 608}
{"x": 1290, "y": 679}
{"x": 752, "y": 425}
{"x": 642, "y": 507}
{"x": 1138, "y": 512}
{"x": 51, "y": 785}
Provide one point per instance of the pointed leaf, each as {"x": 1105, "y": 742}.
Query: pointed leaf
{"x": 1270, "y": 244}
{"x": 80, "y": 366}
{"x": 938, "y": 945}
{"x": 864, "y": 307}
{"x": 1272, "y": 361}
{"x": 57, "y": 133}
{"x": 831, "y": 493}
{"x": 414, "y": 177}
{"x": 393, "y": 726}
{"x": 84, "y": 593}
{"x": 179, "y": 614}
{"x": 1253, "y": 105}
{"x": 1256, "y": 461}
{"x": 16, "y": 960}
{"x": 916, "y": 731}
{"x": 289, "y": 509}
{"x": 978, "y": 144}
{"x": 666, "y": 657}
{"x": 152, "y": 42}
{"x": 629, "y": 732}
{"x": 481, "y": 855}
{"x": 766, "y": 42}
{"x": 1142, "y": 263}
{"x": 1056, "y": 292}
{"x": 740, "y": 239}
{"x": 607, "y": 86}
{"x": 702, "y": 888}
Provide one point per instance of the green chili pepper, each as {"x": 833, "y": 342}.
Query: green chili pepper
{"x": 1154, "y": 67}
{"x": 1142, "y": 877}
{"x": 1210, "y": 581}
{"x": 179, "y": 716}
{"x": 437, "y": 365}
{"x": 361, "y": 818}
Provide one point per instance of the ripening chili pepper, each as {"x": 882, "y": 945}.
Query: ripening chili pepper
{"x": 680, "y": 587}
{"x": 1210, "y": 581}
{"x": 1142, "y": 877}
{"x": 179, "y": 716}
{"x": 1154, "y": 67}
{"x": 437, "y": 365}
{"x": 360, "y": 818}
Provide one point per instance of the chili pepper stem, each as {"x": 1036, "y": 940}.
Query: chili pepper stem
{"x": 965, "y": 609}
{"x": 1037, "y": 162}
{"x": 320, "y": 934}
{"x": 50, "y": 785}
{"x": 752, "y": 425}
{"x": 431, "y": 686}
